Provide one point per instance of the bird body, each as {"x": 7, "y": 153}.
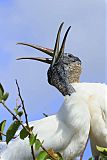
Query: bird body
{"x": 67, "y": 131}
{"x": 63, "y": 132}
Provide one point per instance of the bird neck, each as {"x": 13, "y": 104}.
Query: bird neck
{"x": 65, "y": 84}
{"x": 63, "y": 74}
{"x": 73, "y": 75}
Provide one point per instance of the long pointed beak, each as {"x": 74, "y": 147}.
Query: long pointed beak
{"x": 43, "y": 49}
{"x": 55, "y": 54}
{"x": 56, "y": 48}
{"x": 63, "y": 44}
{"x": 44, "y": 60}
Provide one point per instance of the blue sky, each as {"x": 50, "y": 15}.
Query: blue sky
{"x": 37, "y": 22}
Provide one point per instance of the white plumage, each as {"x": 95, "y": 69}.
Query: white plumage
{"x": 63, "y": 131}
{"x": 68, "y": 130}
{"x": 97, "y": 105}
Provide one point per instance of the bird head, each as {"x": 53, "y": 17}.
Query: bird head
{"x": 64, "y": 69}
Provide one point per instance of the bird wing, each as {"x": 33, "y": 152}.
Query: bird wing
{"x": 98, "y": 112}
{"x": 53, "y": 132}
{"x": 78, "y": 119}
{"x": 98, "y": 134}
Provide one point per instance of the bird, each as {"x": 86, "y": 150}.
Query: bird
{"x": 83, "y": 113}
{"x": 95, "y": 94}
{"x": 66, "y": 131}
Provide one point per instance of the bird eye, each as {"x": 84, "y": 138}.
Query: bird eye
{"x": 72, "y": 57}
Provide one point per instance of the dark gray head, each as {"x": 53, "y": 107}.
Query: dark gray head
{"x": 64, "y": 69}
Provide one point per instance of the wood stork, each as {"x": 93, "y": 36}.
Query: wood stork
{"x": 83, "y": 111}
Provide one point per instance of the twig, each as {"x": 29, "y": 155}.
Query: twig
{"x": 1, "y": 133}
{"x": 46, "y": 115}
{"x": 14, "y": 115}
{"x": 22, "y": 101}
{"x": 25, "y": 113}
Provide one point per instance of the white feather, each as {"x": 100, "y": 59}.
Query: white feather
{"x": 97, "y": 104}
{"x": 67, "y": 132}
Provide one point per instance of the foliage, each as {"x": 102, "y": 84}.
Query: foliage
{"x": 12, "y": 130}
{"x": 3, "y": 96}
{"x": 2, "y": 126}
{"x": 103, "y": 153}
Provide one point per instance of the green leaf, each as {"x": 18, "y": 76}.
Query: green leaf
{"x": 42, "y": 156}
{"x": 1, "y": 89}
{"x": 102, "y": 150}
{"x": 90, "y": 158}
{"x": 2, "y": 125}
{"x": 102, "y": 157}
{"x": 31, "y": 129}
{"x": 20, "y": 113}
{"x": 24, "y": 133}
{"x": 12, "y": 130}
{"x": 37, "y": 144}
{"x": 59, "y": 156}
{"x": 5, "y": 96}
{"x": 32, "y": 139}
{"x": 16, "y": 110}
{"x": 1, "y": 92}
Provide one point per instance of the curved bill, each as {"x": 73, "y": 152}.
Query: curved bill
{"x": 43, "y": 49}
{"x": 44, "y": 60}
{"x": 63, "y": 45}
{"x": 55, "y": 54}
{"x": 56, "y": 48}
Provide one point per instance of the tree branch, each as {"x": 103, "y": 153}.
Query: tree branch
{"x": 22, "y": 101}
{"x": 26, "y": 118}
{"x": 25, "y": 113}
